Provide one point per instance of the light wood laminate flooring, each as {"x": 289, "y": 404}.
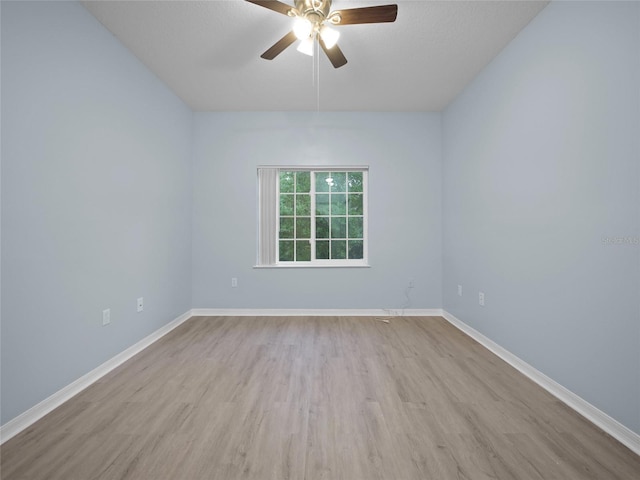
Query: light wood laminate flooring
{"x": 310, "y": 398}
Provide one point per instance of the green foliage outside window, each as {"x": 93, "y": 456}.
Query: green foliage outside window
{"x": 331, "y": 216}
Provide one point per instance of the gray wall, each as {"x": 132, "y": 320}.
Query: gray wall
{"x": 541, "y": 166}
{"x": 403, "y": 153}
{"x": 96, "y": 199}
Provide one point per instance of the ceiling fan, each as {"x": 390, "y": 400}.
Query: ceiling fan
{"x": 312, "y": 20}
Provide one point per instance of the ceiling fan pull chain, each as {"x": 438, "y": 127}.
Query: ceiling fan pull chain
{"x": 313, "y": 68}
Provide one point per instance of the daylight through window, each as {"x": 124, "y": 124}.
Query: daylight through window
{"x": 320, "y": 215}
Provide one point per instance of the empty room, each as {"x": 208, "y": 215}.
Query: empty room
{"x": 320, "y": 239}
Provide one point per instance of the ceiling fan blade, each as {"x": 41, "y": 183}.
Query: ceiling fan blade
{"x": 336, "y": 57}
{"x": 274, "y": 5}
{"x": 379, "y": 14}
{"x": 279, "y": 46}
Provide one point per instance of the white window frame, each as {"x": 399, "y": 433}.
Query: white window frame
{"x": 270, "y": 234}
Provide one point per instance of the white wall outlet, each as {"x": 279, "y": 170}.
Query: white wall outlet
{"x": 106, "y": 317}
{"x": 234, "y": 282}
{"x": 459, "y": 290}
{"x": 481, "y": 298}
{"x": 140, "y": 304}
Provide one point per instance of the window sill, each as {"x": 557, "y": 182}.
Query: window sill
{"x": 363, "y": 265}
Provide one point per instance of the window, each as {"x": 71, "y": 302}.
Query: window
{"x": 313, "y": 217}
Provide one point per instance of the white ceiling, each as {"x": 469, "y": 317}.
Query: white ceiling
{"x": 208, "y": 53}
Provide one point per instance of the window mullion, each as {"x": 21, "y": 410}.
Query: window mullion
{"x": 365, "y": 214}
{"x": 312, "y": 192}
{"x": 295, "y": 217}
{"x": 278, "y": 219}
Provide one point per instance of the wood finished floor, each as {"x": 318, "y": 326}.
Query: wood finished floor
{"x": 304, "y": 398}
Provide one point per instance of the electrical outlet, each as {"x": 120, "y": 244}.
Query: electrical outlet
{"x": 481, "y": 298}
{"x": 140, "y": 304}
{"x": 234, "y": 282}
{"x": 459, "y": 290}
{"x": 411, "y": 283}
{"x": 106, "y": 317}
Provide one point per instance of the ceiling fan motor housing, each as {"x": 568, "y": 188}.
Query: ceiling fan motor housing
{"x": 314, "y": 9}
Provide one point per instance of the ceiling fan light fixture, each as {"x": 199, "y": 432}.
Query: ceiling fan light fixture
{"x": 306, "y": 46}
{"x": 329, "y": 36}
{"x": 312, "y": 19}
{"x": 302, "y": 28}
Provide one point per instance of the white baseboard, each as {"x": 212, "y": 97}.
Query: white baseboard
{"x": 611, "y": 426}
{"x": 319, "y": 312}
{"x": 35, "y": 413}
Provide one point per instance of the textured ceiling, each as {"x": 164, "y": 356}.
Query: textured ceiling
{"x": 208, "y": 53}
